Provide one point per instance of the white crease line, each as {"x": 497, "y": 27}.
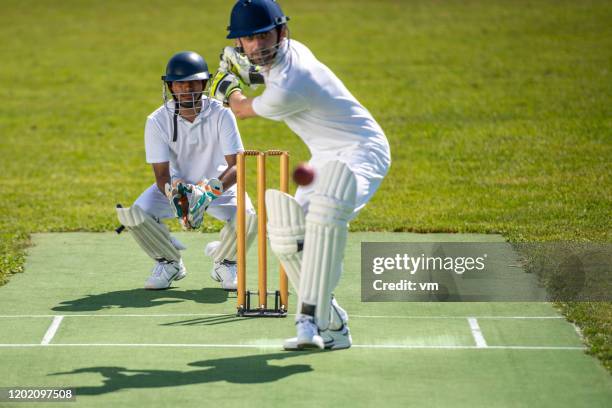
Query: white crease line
{"x": 55, "y": 324}
{"x": 477, "y": 333}
{"x": 414, "y": 347}
{"x": 231, "y": 315}
{"x": 279, "y": 346}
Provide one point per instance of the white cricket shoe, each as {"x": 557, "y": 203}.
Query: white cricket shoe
{"x": 332, "y": 340}
{"x": 226, "y": 273}
{"x": 307, "y": 335}
{"x": 337, "y": 339}
{"x": 164, "y": 273}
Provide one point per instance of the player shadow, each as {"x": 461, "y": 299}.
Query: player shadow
{"x": 141, "y": 298}
{"x": 251, "y": 369}
{"x": 207, "y": 320}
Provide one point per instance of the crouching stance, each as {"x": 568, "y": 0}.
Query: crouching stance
{"x": 191, "y": 142}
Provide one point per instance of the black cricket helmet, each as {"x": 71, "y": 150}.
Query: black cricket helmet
{"x": 186, "y": 66}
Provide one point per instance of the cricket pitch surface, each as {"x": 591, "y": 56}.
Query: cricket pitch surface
{"x": 78, "y": 318}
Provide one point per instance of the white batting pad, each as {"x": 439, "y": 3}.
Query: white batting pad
{"x": 286, "y": 229}
{"x": 226, "y": 249}
{"x": 331, "y": 206}
{"x": 152, "y": 236}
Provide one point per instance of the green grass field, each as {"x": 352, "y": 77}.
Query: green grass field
{"x": 499, "y": 116}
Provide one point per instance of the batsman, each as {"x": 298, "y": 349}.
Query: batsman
{"x": 191, "y": 142}
{"x": 350, "y": 154}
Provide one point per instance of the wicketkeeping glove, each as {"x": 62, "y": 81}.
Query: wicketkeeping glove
{"x": 200, "y": 196}
{"x": 238, "y": 64}
{"x": 177, "y": 195}
{"x": 223, "y": 85}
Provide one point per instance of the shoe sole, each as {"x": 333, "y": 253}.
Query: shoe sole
{"x": 307, "y": 347}
{"x": 310, "y": 346}
{"x": 303, "y": 347}
{"x": 177, "y": 277}
{"x": 336, "y": 347}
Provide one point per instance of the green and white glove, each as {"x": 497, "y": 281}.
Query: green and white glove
{"x": 223, "y": 85}
{"x": 177, "y": 195}
{"x": 189, "y": 202}
{"x": 200, "y": 196}
{"x": 236, "y": 63}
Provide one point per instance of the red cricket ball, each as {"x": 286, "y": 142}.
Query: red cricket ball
{"x": 303, "y": 174}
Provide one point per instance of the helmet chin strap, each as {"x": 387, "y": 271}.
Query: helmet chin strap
{"x": 197, "y": 108}
{"x": 175, "y": 126}
{"x": 176, "y": 109}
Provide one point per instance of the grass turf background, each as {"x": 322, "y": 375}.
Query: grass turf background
{"x": 499, "y": 114}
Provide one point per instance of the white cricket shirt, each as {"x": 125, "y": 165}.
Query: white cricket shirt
{"x": 315, "y": 104}
{"x": 200, "y": 148}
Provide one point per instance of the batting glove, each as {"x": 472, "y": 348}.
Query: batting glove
{"x": 238, "y": 64}
{"x": 223, "y": 85}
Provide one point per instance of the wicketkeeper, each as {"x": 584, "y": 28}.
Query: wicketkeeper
{"x": 349, "y": 150}
{"x": 192, "y": 142}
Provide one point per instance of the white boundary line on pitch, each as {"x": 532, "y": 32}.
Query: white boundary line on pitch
{"x": 55, "y": 324}
{"x": 232, "y": 314}
{"x": 279, "y": 346}
{"x": 477, "y": 333}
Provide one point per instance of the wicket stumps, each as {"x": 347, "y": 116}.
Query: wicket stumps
{"x": 244, "y": 296}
